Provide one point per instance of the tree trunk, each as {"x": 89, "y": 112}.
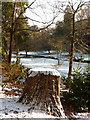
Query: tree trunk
{"x": 42, "y": 92}
{"x": 72, "y": 49}
{"x": 11, "y": 35}
{"x": 71, "y": 60}
{"x": 10, "y": 47}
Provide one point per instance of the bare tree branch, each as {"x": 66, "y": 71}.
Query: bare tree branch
{"x": 85, "y": 44}
{"x": 39, "y": 21}
{"x": 43, "y": 10}
{"x": 84, "y": 47}
{"x": 24, "y": 10}
{"x": 34, "y": 30}
{"x": 81, "y": 51}
{"x": 36, "y": 14}
{"x": 86, "y": 28}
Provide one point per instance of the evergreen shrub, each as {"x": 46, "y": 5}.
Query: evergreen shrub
{"x": 79, "y": 88}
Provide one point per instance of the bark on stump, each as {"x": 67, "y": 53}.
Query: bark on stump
{"x": 42, "y": 92}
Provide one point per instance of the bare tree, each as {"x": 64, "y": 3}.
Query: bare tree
{"x": 75, "y": 7}
{"x": 73, "y": 11}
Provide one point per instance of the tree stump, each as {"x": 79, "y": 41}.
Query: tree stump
{"x": 42, "y": 91}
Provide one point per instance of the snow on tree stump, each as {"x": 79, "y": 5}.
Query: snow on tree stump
{"x": 42, "y": 91}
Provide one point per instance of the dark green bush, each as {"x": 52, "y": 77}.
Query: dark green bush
{"x": 79, "y": 88}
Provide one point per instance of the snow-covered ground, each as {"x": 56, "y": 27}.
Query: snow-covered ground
{"x": 48, "y": 63}
{"x": 44, "y": 62}
{"x": 10, "y": 108}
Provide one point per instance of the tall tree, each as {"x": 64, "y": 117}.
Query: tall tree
{"x": 6, "y": 25}
{"x": 68, "y": 21}
{"x": 71, "y": 29}
{"x": 73, "y": 11}
{"x": 11, "y": 21}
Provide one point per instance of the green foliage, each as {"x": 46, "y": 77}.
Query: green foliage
{"x": 66, "y": 81}
{"x": 68, "y": 21}
{"x": 18, "y": 37}
{"x": 59, "y": 30}
{"x": 14, "y": 72}
{"x": 80, "y": 88}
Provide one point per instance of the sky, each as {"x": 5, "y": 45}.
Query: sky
{"x": 44, "y": 11}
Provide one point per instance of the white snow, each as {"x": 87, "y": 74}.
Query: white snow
{"x": 82, "y": 115}
{"x": 7, "y": 89}
{"x": 50, "y": 63}
{"x": 10, "y": 108}
{"x": 46, "y": 71}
